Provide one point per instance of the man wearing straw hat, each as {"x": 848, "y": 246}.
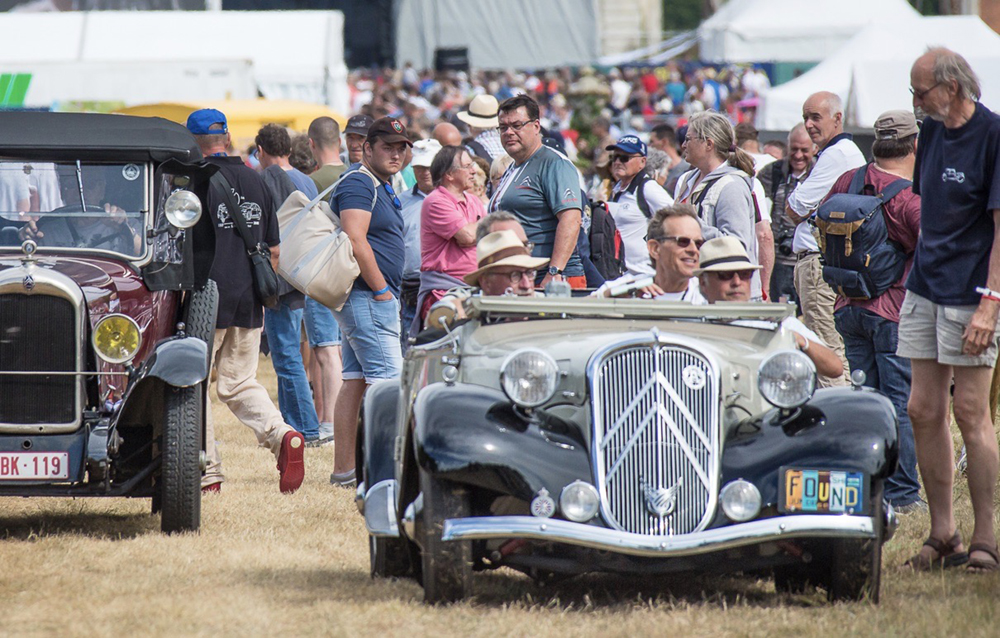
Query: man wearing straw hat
{"x": 505, "y": 266}
{"x": 483, "y": 122}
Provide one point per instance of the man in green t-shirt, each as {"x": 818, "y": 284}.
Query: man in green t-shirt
{"x": 324, "y": 140}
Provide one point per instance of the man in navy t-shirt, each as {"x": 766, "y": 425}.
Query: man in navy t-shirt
{"x": 371, "y": 215}
{"x": 949, "y": 315}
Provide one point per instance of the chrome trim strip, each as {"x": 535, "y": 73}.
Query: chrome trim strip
{"x": 380, "y": 509}
{"x": 739, "y": 535}
{"x": 42, "y": 373}
{"x": 52, "y": 283}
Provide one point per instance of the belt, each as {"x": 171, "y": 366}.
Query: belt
{"x": 805, "y": 253}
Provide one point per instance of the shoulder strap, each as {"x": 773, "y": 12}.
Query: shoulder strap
{"x": 222, "y": 188}
{"x": 777, "y": 177}
{"x": 640, "y": 195}
{"x": 704, "y": 192}
{"x": 857, "y": 186}
{"x": 895, "y": 188}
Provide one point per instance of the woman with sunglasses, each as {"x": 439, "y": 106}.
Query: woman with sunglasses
{"x": 720, "y": 184}
{"x": 674, "y": 247}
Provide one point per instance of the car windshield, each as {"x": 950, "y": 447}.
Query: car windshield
{"x": 75, "y": 205}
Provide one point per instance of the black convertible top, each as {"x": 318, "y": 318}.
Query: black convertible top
{"x": 94, "y": 136}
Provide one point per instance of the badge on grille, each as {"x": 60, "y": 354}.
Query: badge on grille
{"x": 661, "y": 501}
{"x": 28, "y": 282}
{"x": 694, "y": 377}
{"x": 542, "y": 505}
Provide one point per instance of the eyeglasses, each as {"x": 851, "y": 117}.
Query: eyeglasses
{"x": 623, "y": 158}
{"x": 464, "y": 167}
{"x": 517, "y": 126}
{"x": 920, "y": 94}
{"x": 682, "y": 242}
{"x": 727, "y": 275}
{"x": 515, "y": 275}
{"x": 688, "y": 139}
{"x": 391, "y": 193}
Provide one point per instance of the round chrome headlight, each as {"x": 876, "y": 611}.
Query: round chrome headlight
{"x": 116, "y": 338}
{"x": 529, "y": 377}
{"x": 787, "y": 379}
{"x": 183, "y": 209}
{"x": 579, "y": 501}
{"x": 740, "y": 500}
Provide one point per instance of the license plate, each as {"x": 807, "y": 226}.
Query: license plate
{"x": 32, "y": 466}
{"x": 823, "y": 491}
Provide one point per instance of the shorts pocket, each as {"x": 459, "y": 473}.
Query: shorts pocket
{"x": 909, "y": 305}
{"x": 385, "y": 315}
{"x": 960, "y": 315}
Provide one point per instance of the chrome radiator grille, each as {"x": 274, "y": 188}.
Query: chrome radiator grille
{"x": 656, "y": 438}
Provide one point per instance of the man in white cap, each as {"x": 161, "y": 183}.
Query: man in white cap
{"x": 483, "y": 122}
{"x": 724, "y": 273}
{"x": 505, "y": 265}
{"x": 424, "y": 152}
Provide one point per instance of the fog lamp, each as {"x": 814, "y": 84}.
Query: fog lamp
{"x": 740, "y": 500}
{"x": 116, "y": 338}
{"x": 183, "y": 209}
{"x": 579, "y": 501}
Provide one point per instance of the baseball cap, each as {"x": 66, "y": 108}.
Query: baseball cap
{"x": 629, "y": 144}
{"x": 359, "y": 125}
{"x": 894, "y": 125}
{"x": 389, "y": 129}
{"x": 424, "y": 152}
{"x": 198, "y": 122}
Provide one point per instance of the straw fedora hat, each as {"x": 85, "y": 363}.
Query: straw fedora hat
{"x": 723, "y": 254}
{"x": 502, "y": 248}
{"x": 482, "y": 113}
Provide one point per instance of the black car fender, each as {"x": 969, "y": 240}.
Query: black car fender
{"x": 378, "y": 432}
{"x": 179, "y": 362}
{"x": 838, "y": 429}
{"x": 474, "y": 435}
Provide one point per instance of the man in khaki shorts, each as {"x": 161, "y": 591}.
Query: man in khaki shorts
{"x": 948, "y": 318}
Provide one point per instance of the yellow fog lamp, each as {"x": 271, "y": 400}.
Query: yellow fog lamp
{"x": 117, "y": 338}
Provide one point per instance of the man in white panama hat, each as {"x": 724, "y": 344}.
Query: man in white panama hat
{"x": 504, "y": 265}
{"x": 482, "y": 119}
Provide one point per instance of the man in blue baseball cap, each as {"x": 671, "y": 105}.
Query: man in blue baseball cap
{"x": 207, "y": 122}
{"x": 635, "y": 198}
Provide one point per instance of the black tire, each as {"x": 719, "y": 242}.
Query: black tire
{"x": 446, "y": 566}
{"x": 180, "y": 469}
{"x": 856, "y": 565}
{"x": 389, "y": 557}
{"x": 201, "y": 312}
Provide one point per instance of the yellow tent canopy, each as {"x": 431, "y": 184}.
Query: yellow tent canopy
{"x": 245, "y": 117}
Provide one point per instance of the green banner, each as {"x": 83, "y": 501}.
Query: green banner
{"x": 13, "y": 89}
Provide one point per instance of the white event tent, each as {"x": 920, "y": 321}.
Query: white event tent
{"x": 747, "y": 31}
{"x": 871, "y": 72}
{"x": 151, "y": 56}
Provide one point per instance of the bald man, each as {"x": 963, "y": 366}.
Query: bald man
{"x": 823, "y": 116}
{"x": 447, "y": 134}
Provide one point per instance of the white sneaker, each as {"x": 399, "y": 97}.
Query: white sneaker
{"x": 346, "y": 479}
{"x": 326, "y": 431}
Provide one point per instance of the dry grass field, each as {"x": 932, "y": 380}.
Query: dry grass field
{"x": 271, "y": 565}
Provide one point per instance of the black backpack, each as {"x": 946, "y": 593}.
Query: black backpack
{"x": 860, "y": 260}
{"x": 607, "y": 252}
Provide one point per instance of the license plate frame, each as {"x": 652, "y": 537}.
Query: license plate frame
{"x": 34, "y": 466}
{"x": 822, "y": 491}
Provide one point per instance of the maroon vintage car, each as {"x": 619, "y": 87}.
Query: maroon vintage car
{"x": 106, "y": 310}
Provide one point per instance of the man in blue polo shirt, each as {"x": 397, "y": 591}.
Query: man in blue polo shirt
{"x": 948, "y": 320}
{"x": 371, "y": 215}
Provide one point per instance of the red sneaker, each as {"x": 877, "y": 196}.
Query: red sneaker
{"x": 214, "y": 488}
{"x": 290, "y": 464}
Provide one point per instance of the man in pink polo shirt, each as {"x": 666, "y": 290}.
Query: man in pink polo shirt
{"x": 448, "y": 227}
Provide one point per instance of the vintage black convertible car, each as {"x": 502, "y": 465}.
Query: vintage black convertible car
{"x": 564, "y": 436}
{"x": 106, "y": 312}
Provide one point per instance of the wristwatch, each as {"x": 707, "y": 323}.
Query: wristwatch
{"x": 553, "y": 271}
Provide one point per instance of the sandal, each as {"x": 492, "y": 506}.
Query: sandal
{"x": 947, "y": 555}
{"x": 980, "y": 566}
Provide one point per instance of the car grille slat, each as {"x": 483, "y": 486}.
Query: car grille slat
{"x": 656, "y": 433}
{"x": 37, "y": 333}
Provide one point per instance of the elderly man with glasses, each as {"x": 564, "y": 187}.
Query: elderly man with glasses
{"x": 634, "y": 199}
{"x": 543, "y": 189}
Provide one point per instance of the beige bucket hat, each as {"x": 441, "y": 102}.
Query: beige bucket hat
{"x": 502, "y": 248}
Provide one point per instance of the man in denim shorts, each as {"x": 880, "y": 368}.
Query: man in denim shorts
{"x": 948, "y": 318}
{"x": 371, "y": 215}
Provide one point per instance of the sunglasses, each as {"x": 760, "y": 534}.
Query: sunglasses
{"x": 727, "y": 275}
{"x": 391, "y": 193}
{"x": 682, "y": 242}
{"x": 623, "y": 158}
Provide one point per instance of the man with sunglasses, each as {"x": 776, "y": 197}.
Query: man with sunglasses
{"x": 673, "y": 245}
{"x": 634, "y": 198}
{"x": 724, "y": 274}
{"x": 371, "y": 215}
{"x": 543, "y": 189}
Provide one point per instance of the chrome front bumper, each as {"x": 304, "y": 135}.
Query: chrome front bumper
{"x": 712, "y": 540}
